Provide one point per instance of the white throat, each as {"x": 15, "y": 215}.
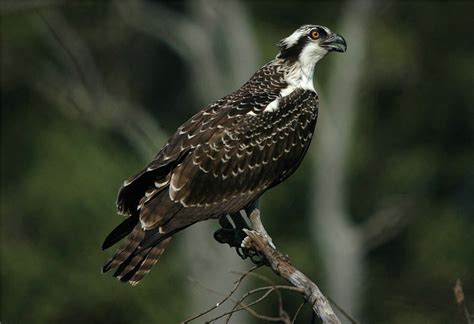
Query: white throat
{"x": 302, "y": 71}
{"x": 300, "y": 75}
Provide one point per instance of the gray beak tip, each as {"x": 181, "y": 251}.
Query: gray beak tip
{"x": 336, "y": 43}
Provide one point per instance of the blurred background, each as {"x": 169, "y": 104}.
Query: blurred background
{"x": 380, "y": 214}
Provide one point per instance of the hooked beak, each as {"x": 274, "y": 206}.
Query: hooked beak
{"x": 335, "y": 42}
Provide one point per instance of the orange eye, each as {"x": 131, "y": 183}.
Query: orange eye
{"x": 314, "y": 34}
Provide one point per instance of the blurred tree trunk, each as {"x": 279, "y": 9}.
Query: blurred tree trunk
{"x": 339, "y": 241}
{"x": 214, "y": 39}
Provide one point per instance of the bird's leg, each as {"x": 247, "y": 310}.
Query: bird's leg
{"x": 231, "y": 234}
{"x": 239, "y": 221}
{"x": 257, "y": 225}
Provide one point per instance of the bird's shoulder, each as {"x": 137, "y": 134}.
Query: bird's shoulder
{"x": 252, "y": 97}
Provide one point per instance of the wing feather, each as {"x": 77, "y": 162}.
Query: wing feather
{"x": 224, "y": 152}
{"x": 253, "y": 161}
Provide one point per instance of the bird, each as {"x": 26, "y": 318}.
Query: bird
{"x": 225, "y": 157}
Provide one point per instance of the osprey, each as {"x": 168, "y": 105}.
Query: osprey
{"x": 226, "y": 156}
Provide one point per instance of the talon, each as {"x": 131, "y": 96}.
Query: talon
{"x": 246, "y": 243}
{"x": 235, "y": 235}
{"x": 241, "y": 252}
{"x": 258, "y": 259}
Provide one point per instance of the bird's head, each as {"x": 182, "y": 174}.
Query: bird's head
{"x": 310, "y": 43}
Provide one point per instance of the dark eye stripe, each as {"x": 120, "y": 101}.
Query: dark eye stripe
{"x": 295, "y": 50}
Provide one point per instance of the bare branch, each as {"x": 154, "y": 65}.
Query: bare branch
{"x": 241, "y": 305}
{"x": 283, "y": 268}
{"x": 298, "y": 311}
{"x": 227, "y": 297}
{"x": 284, "y": 316}
{"x": 268, "y": 291}
{"x": 258, "y": 276}
{"x": 282, "y": 312}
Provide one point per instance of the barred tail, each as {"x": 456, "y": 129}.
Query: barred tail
{"x": 133, "y": 260}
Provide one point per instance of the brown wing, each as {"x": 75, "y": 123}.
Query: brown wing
{"x": 246, "y": 155}
{"x": 199, "y": 129}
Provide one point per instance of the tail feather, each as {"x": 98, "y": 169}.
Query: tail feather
{"x": 142, "y": 248}
{"x": 127, "y": 248}
{"x": 122, "y": 230}
{"x": 132, "y": 260}
{"x": 150, "y": 261}
{"x": 144, "y": 265}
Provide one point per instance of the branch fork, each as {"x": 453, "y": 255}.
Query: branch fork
{"x": 282, "y": 267}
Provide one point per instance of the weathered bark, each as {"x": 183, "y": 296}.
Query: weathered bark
{"x": 282, "y": 267}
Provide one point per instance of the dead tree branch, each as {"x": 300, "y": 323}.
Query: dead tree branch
{"x": 282, "y": 267}
{"x": 241, "y": 305}
{"x": 227, "y": 297}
